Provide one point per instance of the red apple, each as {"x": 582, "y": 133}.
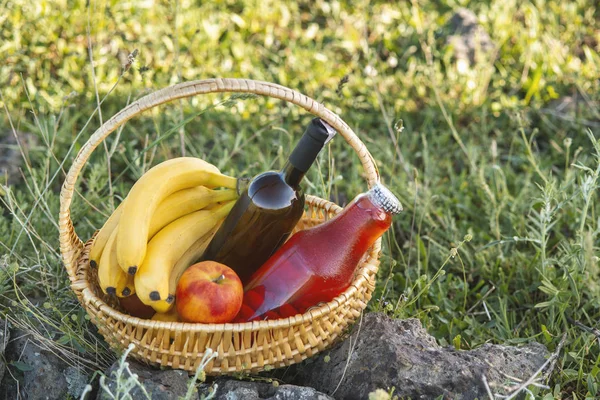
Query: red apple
{"x": 209, "y": 292}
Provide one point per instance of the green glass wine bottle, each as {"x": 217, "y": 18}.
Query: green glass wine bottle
{"x": 265, "y": 214}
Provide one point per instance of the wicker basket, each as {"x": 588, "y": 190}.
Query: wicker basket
{"x": 247, "y": 347}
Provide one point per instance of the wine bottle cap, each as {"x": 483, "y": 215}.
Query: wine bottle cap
{"x": 330, "y": 131}
{"x": 310, "y": 144}
{"x": 384, "y": 198}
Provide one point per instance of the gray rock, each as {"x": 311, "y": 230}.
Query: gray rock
{"x": 244, "y": 390}
{"x": 382, "y": 353}
{"x": 38, "y": 373}
{"x": 11, "y": 159}
{"x": 160, "y": 385}
{"x": 4, "y": 338}
{"x": 76, "y": 381}
{"x": 469, "y": 39}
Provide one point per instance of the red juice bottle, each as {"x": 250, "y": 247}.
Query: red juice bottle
{"x": 318, "y": 264}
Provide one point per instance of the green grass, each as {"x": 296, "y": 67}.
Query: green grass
{"x": 499, "y": 241}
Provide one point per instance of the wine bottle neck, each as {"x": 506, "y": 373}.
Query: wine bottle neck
{"x": 307, "y": 148}
{"x": 304, "y": 154}
{"x": 292, "y": 175}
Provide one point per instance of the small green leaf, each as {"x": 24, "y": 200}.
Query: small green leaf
{"x": 546, "y": 334}
{"x": 544, "y": 304}
{"x": 21, "y": 366}
{"x": 534, "y": 87}
{"x": 548, "y": 287}
{"x": 456, "y": 342}
{"x": 591, "y": 385}
{"x": 64, "y": 340}
{"x": 422, "y": 250}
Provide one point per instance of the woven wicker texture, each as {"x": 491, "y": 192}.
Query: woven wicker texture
{"x": 249, "y": 347}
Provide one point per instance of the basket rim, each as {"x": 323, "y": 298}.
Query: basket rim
{"x": 364, "y": 274}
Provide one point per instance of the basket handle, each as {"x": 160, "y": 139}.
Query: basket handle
{"x": 71, "y": 245}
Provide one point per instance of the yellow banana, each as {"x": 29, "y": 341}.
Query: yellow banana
{"x": 147, "y": 193}
{"x": 111, "y": 277}
{"x": 174, "y": 206}
{"x": 103, "y": 235}
{"x": 184, "y": 202}
{"x": 170, "y": 316}
{"x": 168, "y": 246}
{"x": 129, "y": 286}
{"x": 192, "y": 254}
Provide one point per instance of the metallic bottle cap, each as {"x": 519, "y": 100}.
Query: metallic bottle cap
{"x": 384, "y": 198}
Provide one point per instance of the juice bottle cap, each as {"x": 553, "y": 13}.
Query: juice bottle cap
{"x": 384, "y": 198}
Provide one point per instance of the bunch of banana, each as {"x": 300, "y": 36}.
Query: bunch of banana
{"x": 164, "y": 224}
